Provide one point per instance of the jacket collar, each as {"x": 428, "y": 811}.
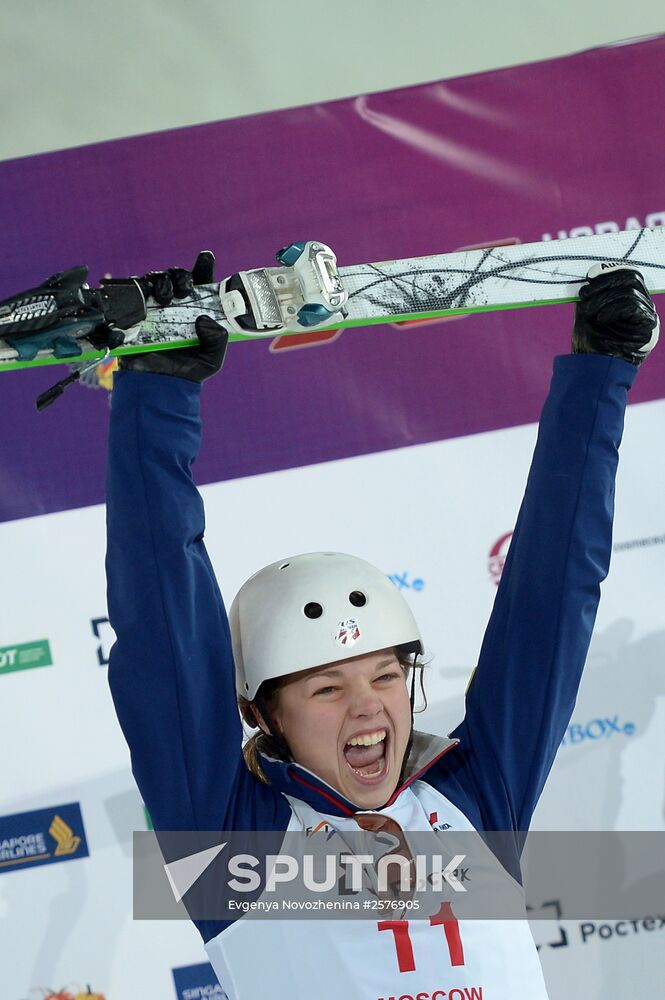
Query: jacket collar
{"x": 294, "y": 779}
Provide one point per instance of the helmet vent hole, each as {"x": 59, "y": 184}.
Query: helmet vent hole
{"x": 313, "y": 610}
{"x": 284, "y": 565}
{"x": 357, "y": 599}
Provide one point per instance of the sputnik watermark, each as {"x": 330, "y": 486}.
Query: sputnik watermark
{"x": 224, "y": 875}
{"x": 491, "y": 875}
{"x": 419, "y": 873}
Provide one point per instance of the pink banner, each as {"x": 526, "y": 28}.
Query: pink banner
{"x": 551, "y": 150}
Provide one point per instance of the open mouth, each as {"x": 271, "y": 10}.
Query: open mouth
{"x": 367, "y": 756}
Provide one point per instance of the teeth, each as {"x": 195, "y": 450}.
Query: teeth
{"x": 368, "y": 740}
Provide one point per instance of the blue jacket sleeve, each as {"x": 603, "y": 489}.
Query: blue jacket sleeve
{"x": 171, "y": 669}
{"x": 523, "y": 691}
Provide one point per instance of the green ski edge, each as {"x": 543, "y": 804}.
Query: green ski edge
{"x": 236, "y": 337}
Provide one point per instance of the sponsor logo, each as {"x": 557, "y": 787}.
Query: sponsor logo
{"x": 640, "y": 543}
{"x": 590, "y": 930}
{"x": 597, "y": 729}
{"x": 402, "y": 582}
{"x": 194, "y": 982}
{"x": 611, "y": 265}
{"x": 101, "y": 629}
{"x": 548, "y": 933}
{"x": 348, "y": 632}
{"x": 598, "y": 228}
{"x": 25, "y": 656}
{"x": 67, "y": 842}
{"x": 32, "y": 308}
{"x": 42, "y": 837}
{"x": 321, "y": 827}
{"x": 497, "y": 557}
{"x": 434, "y": 822}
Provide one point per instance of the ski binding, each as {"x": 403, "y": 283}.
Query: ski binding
{"x": 63, "y": 310}
{"x": 64, "y": 317}
{"x": 304, "y": 293}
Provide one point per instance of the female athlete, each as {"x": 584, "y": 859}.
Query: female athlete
{"x": 320, "y": 649}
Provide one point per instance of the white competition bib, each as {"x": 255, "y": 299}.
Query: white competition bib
{"x": 382, "y": 959}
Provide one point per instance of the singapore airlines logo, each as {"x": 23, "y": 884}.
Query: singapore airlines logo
{"x": 42, "y": 837}
{"x": 65, "y": 838}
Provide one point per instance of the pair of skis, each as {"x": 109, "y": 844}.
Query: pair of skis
{"x": 65, "y": 320}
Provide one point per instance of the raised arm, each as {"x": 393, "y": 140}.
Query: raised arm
{"x": 523, "y": 691}
{"x": 171, "y": 670}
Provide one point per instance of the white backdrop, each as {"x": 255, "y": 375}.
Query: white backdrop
{"x": 430, "y": 515}
{"x": 79, "y": 71}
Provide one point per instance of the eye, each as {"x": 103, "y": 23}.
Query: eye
{"x": 313, "y": 610}
{"x": 357, "y": 599}
{"x": 389, "y": 676}
{"x": 326, "y": 690}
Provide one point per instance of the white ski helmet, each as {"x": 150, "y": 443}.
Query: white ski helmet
{"x": 312, "y": 609}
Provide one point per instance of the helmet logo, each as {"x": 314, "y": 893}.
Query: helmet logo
{"x": 348, "y": 632}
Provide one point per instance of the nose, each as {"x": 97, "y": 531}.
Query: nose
{"x": 364, "y": 701}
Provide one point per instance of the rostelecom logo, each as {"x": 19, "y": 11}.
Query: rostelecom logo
{"x": 65, "y": 838}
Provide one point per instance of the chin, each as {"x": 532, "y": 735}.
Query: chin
{"x": 374, "y": 800}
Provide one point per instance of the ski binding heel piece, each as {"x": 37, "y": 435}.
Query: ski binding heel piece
{"x": 63, "y": 311}
{"x": 306, "y": 292}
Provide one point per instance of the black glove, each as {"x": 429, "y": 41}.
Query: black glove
{"x": 193, "y": 363}
{"x": 615, "y": 315}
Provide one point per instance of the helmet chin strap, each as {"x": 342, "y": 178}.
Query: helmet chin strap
{"x": 409, "y": 744}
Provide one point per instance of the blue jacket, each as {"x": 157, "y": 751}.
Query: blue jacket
{"x": 171, "y": 670}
